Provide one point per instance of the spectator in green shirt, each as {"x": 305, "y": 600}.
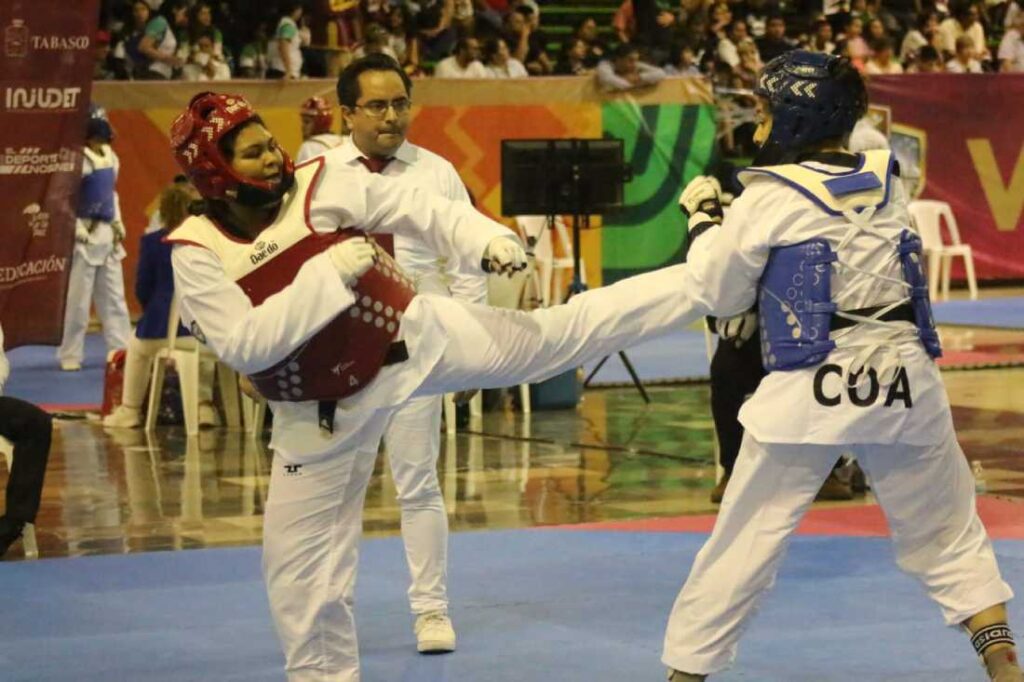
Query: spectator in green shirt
{"x": 284, "y": 56}
{"x": 201, "y": 25}
{"x": 252, "y": 58}
{"x": 159, "y": 45}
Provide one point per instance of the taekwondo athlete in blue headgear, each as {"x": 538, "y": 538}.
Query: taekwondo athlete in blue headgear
{"x": 821, "y": 240}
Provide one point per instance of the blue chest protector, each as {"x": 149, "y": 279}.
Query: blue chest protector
{"x": 96, "y": 195}
{"x": 795, "y": 291}
{"x": 795, "y": 306}
{"x": 913, "y": 273}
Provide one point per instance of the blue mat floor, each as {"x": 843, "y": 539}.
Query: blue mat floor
{"x": 1004, "y": 312}
{"x": 680, "y": 355}
{"x": 529, "y": 606}
{"x": 36, "y": 375}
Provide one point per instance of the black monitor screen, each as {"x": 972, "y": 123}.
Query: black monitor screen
{"x": 561, "y": 176}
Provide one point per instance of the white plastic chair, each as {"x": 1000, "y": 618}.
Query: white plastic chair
{"x": 254, "y": 414}
{"x": 928, "y": 216}
{"x": 28, "y": 534}
{"x": 550, "y": 268}
{"x": 187, "y": 354}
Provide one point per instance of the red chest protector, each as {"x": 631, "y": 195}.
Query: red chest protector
{"x": 347, "y": 353}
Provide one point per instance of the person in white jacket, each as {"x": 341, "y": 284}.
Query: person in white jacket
{"x": 282, "y": 280}
{"x": 375, "y": 97}
{"x": 821, "y": 239}
{"x": 96, "y": 272}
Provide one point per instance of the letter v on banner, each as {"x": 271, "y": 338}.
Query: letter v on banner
{"x": 1006, "y": 201}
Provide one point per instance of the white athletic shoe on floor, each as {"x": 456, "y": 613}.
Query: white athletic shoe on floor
{"x": 70, "y": 366}
{"x": 434, "y": 633}
{"x": 208, "y": 415}
{"x": 123, "y": 418}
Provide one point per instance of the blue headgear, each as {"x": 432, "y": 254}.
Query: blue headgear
{"x": 98, "y": 126}
{"x": 813, "y": 97}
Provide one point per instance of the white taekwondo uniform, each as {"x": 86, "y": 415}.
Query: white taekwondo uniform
{"x": 313, "y": 516}
{"x": 96, "y": 272}
{"x": 799, "y": 422}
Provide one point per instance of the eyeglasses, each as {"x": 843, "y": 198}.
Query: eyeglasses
{"x": 378, "y": 108}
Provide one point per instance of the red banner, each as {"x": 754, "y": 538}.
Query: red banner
{"x": 46, "y": 67}
{"x": 966, "y": 133}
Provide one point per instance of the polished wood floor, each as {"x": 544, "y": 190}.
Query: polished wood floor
{"x": 117, "y": 491}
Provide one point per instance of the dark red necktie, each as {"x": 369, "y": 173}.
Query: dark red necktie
{"x": 386, "y": 241}
{"x": 375, "y": 165}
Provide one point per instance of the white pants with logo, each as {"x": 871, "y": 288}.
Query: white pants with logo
{"x": 103, "y": 284}
{"x": 313, "y": 518}
{"x": 413, "y": 442}
{"x": 926, "y": 492}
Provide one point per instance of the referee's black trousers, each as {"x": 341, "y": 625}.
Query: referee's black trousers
{"x": 30, "y": 430}
{"x": 735, "y": 375}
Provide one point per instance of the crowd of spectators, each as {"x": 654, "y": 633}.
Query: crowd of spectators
{"x": 728, "y": 41}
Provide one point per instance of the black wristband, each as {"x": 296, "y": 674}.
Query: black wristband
{"x": 701, "y": 229}
{"x": 989, "y": 635}
{"x": 711, "y": 207}
{"x": 697, "y": 231}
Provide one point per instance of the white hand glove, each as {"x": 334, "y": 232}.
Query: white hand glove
{"x": 703, "y": 198}
{"x": 119, "y": 232}
{"x": 352, "y": 258}
{"x": 738, "y": 328}
{"x": 81, "y": 233}
{"x": 504, "y": 255}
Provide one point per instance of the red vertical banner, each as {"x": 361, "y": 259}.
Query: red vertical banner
{"x": 46, "y": 64}
{"x": 960, "y": 137}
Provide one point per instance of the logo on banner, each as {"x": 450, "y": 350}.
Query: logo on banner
{"x": 910, "y": 146}
{"x": 33, "y": 161}
{"x": 18, "y": 41}
{"x": 38, "y": 220}
{"x": 41, "y": 99}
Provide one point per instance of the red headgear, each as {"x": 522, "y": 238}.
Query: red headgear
{"x": 319, "y": 110}
{"x": 195, "y": 136}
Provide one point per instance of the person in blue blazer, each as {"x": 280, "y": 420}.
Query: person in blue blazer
{"x": 154, "y": 288}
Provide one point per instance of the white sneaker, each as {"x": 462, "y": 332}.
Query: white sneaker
{"x": 434, "y": 633}
{"x": 70, "y": 366}
{"x": 208, "y": 415}
{"x": 123, "y": 417}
